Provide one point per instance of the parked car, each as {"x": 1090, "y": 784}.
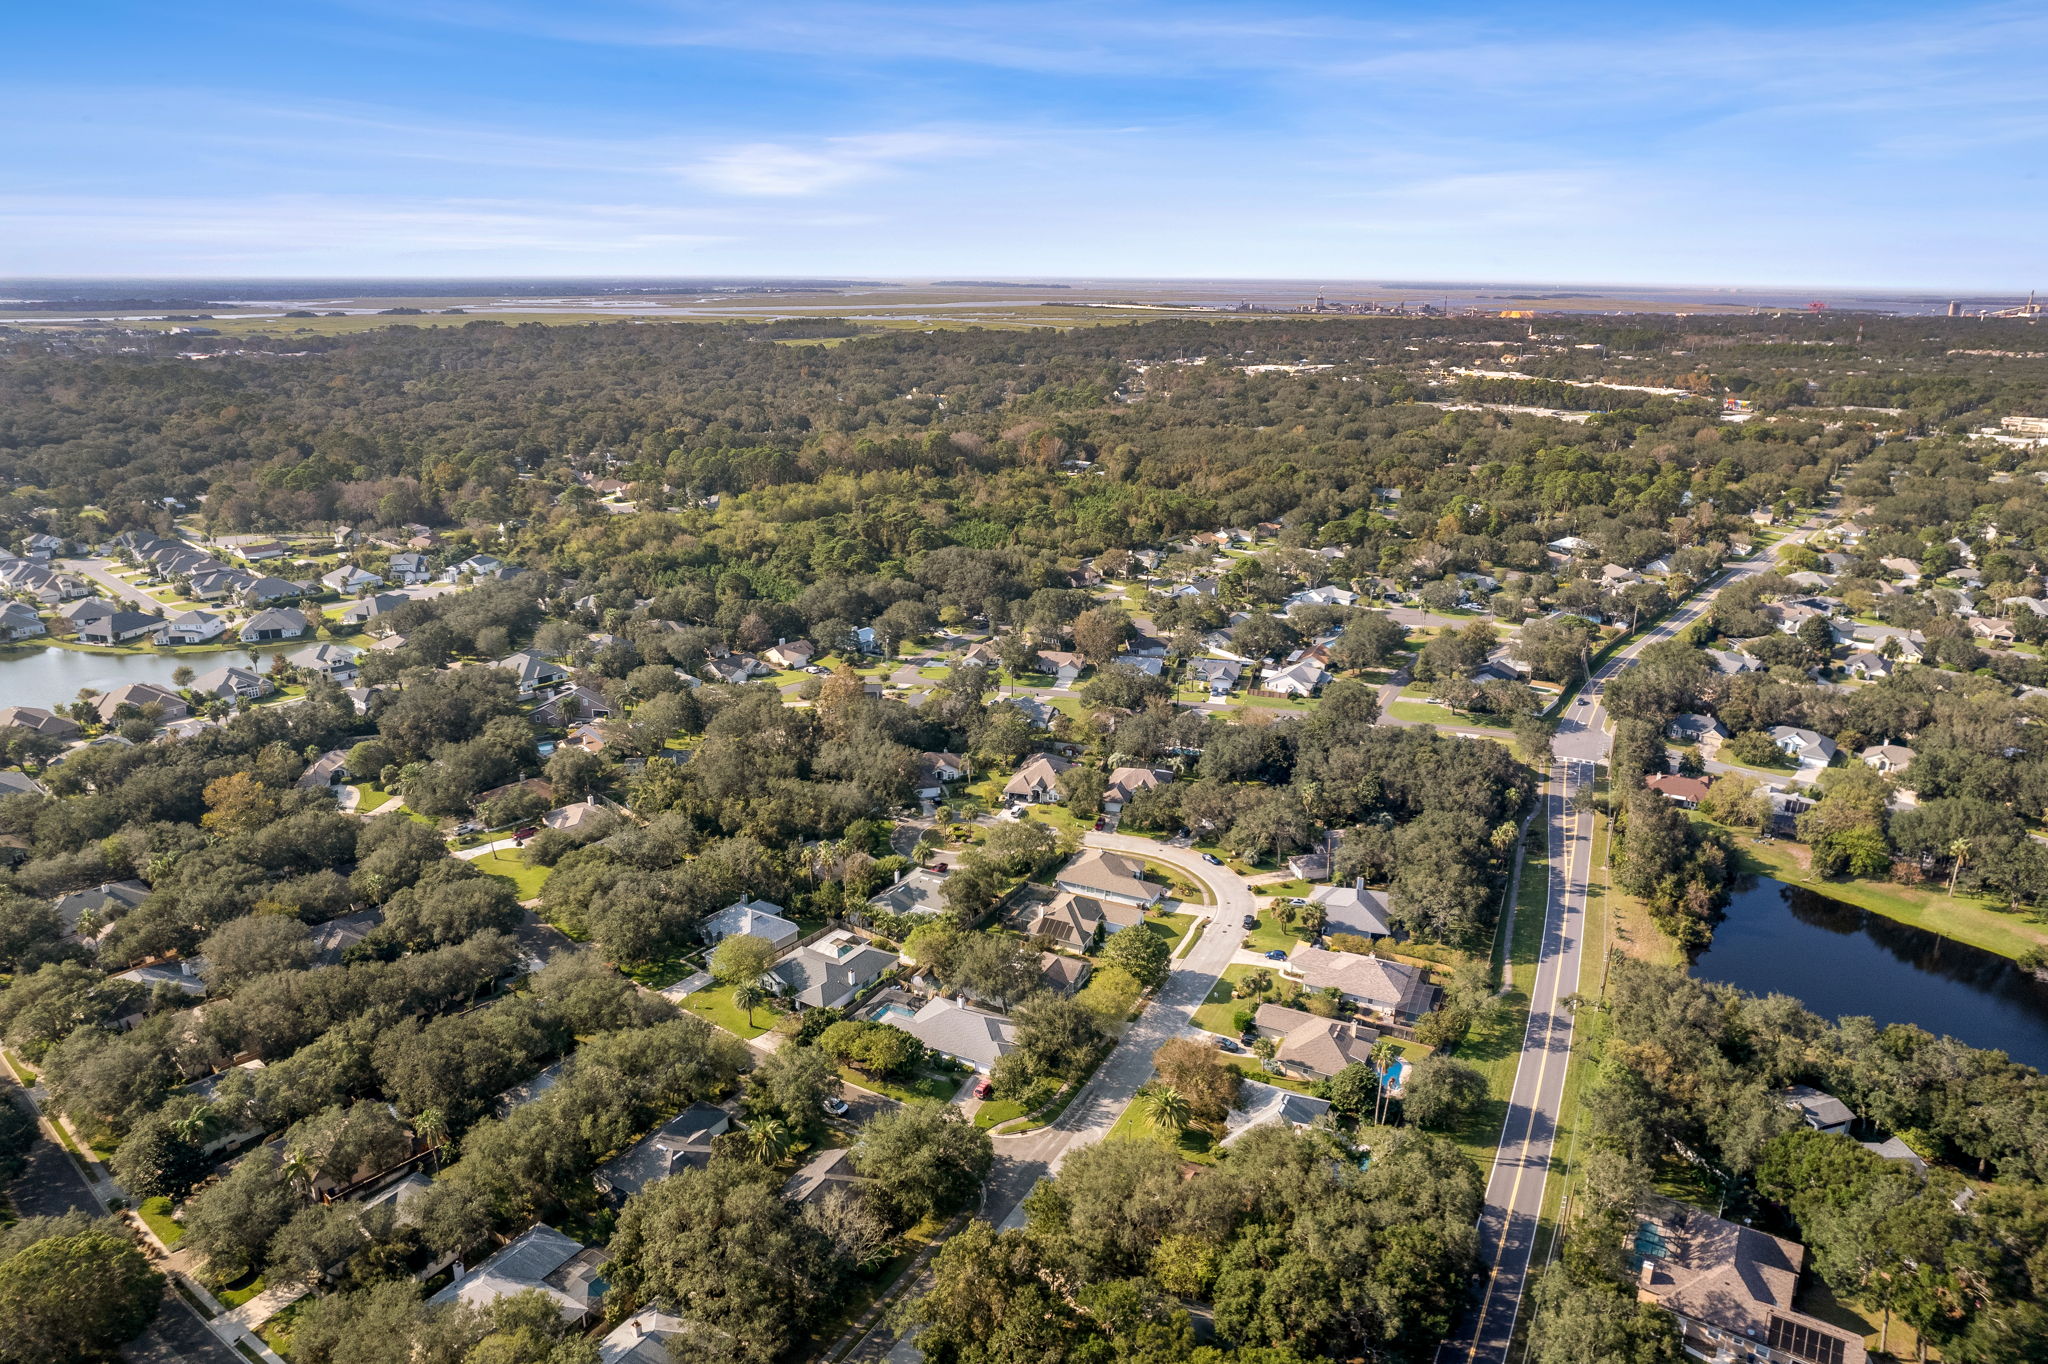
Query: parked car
{"x": 984, "y": 1089}
{"x": 1098, "y": 825}
{"x": 1276, "y": 955}
{"x": 1251, "y": 921}
{"x": 469, "y": 826}
{"x": 1212, "y": 859}
{"x": 522, "y": 835}
{"x": 835, "y": 1107}
{"x": 1225, "y": 1044}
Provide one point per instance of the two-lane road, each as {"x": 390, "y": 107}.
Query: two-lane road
{"x": 1521, "y": 1165}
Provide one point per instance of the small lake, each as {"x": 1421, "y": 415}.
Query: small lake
{"x": 1842, "y": 960}
{"x": 50, "y": 677}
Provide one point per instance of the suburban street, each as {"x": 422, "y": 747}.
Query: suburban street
{"x": 51, "y": 1187}
{"x": 1022, "y": 1161}
{"x": 1521, "y": 1165}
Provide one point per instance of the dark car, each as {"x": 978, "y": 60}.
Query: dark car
{"x": 1225, "y": 1044}
{"x": 1098, "y": 824}
{"x": 1212, "y": 859}
{"x": 1276, "y": 955}
{"x": 528, "y": 832}
{"x": 1251, "y": 921}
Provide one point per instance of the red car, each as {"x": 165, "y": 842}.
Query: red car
{"x": 984, "y": 1089}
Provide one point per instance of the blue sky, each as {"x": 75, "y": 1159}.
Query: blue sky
{"x": 1871, "y": 144}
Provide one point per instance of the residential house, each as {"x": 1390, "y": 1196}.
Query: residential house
{"x": 1818, "y": 1109}
{"x": 265, "y": 590}
{"x": 681, "y": 1143}
{"x": 349, "y": 579}
{"x": 90, "y": 608}
{"x": 274, "y": 624}
{"x": 1868, "y": 666}
{"x": 576, "y": 818}
{"x": 1033, "y": 710}
{"x": 791, "y": 654}
{"x": 14, "y": 783}
{"x": 409, "y": 568}
{"x": 1390, "y": 988}
{"x": 1354, "y": 909}
{"x": 1697, "y": 728}
{"x": 1037, "y": 781}
{"x": 194, "y": 627}
{"x": 970, "y": 1036}
{"x": 1302, "y": 678}
{"x": 1992, "y": 629}
{"x": 1061, "y": 974}
{"x": 751, "y": 918}
{"x": 532, "y": 671}
{"x": 1144, "y": 663}
{"x": 1310, "y": 1046}
{"x": 1065, "y": 667}
{"x": 331, "y": 661}
{"x": 1732, "y": 1288}
{"x": 644, "y": 1337}
{"x": 41, "y": 721}
{"x": 1685, "y": 791}
{"x": 331, "y": 940}
{"x": 1811, "y": 750}
{"x": 1110, "y": 876}
{"x": 570, "y": 705}
{"x": 256, "y": 551}
{"x": 828, "y": 1170}
{"x": 542, "y": 1260}
{"x": 99, "y": 905}
{"x": 369, "y": 608}
{"x": 830, "y": 972}
{"x": 1730, "y": 662}
{"x": 921, "y": 890}
{"x": 181, "y": 975}
{"x": 1262, "y": 1105}
{"x": 325, "y": 772}
{"x": 937, "y": 771}
{"x": 233, "y": 684}
{"x": 1074, "y": 921}
{"x": 1320, "y": 596}
{"x": 122, "y": 627}
{"x": 1126, "y": 782}
{"x": 1887, "y": 758}
{"x": 1219, "y": 675}
{"x": 20, "y": 622}
{"x": 141, "y": 695}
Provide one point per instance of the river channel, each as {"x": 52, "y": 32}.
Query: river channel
{"x": 1842, "y": 960}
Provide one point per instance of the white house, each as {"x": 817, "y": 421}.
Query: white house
{"x": 195, "y": 627}
{"x": 349, "y": 578}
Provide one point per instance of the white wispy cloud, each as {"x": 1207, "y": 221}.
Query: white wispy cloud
{"x": 788, "y": 170}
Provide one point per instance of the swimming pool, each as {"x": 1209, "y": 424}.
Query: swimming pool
{"x": 893, "y": 1011}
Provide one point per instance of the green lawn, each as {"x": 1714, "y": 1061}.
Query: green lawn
{"x": 1215, "y": 1013}
{"x": 156, "y": 1214}
{"x": 716, "y": 1004}
{"x": 513, "y": 867}
{"x": 369, "y": 796}
{"x": 1423, "y": 713}
{"x": 1493, "y": 1047}
{"x": 240, "y": 1293}
{"x": 1171, "y": 927}
{"x": 1273, "y": 936}
{"x": 1967, "y": 918}
{"x": 926, "y": 1084}
{"x": 1298, "y": 889}
{"x": 996, "y": 1112}
{"x": 1192, "y": 1145}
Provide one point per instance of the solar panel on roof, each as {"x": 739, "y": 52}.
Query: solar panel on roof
{"x": 1796, "y": 1338}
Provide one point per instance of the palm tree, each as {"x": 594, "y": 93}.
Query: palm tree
{"x": 197, "y": 1125}
{"x": 1959, "y": 849}
{"x": 299, "y": 1168}
{"x": 431, "y": 1127}
{"x": 1166, "y": 1108}
{"x": 769, "y": 1140}
{"x": 750, "y": 997}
